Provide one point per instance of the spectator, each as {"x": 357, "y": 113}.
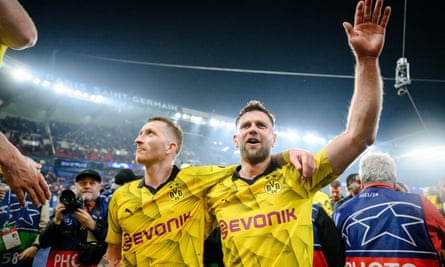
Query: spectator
{"x": 124, "y": 176}
{"x": 353, "y": 185}
{"x": 76, "y": 233}
{"x": 20, "y": 229}
{"x": 335, "y": 192}
{"x": 382, "y": 226}
{"x": 329, "y": 249}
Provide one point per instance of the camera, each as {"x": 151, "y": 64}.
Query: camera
{"x": 71, "y": 201}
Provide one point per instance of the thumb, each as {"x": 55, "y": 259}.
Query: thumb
{"x": 348, "y": 28}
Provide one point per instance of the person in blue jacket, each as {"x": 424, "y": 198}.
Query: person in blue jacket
{"x": 76, "y": 233}
{"x": 384, "y": 227}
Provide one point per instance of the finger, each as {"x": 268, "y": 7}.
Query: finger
{"x": 32, "y": 195}
{"x": 42, "y": 190}
{"x": 20, "y": 196}
{"x": 45, "y": 188}
{"x": 309, "y": 168}
{"x": 367, "y": 11}
{"x": 359, "y": 13}
{"x": 348, "y": 29}
{"x": 385, "y": 17}
{"x": 377, "y": 12}
{"x": 298, "y": 165}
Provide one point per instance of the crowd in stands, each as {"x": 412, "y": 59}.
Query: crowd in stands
{"x": 93, "y": 142}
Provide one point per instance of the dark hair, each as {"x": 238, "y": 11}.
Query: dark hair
{"x": 335, "y": 184}
{"x": 352, "y": 178}
{"x": 255, "y": 105}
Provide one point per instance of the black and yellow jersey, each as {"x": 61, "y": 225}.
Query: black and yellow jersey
{"x": 267, "y": 221}
{"x": 166, "y": 227}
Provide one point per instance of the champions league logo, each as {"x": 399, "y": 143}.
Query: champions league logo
{"x": 364, "y": 226}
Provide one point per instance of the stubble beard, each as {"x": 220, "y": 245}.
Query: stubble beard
{"x": 254, "y": 156}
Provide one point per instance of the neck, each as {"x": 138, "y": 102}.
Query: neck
{"x": 249, "y": 171}
{"x": 157, "y": 174}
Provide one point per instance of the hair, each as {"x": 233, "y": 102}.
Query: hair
{"x": 255, "y": 105}
{"x": 377, "y": 167}
{"x": 174, "y": 130}
{"x": 335, "y": 184}
{"x": 352, "y": 178}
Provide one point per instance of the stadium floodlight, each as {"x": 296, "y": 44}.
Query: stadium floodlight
{"x": 185, "y": 116}
{"x": 214, "y": 122}
{"x": 45, "y": 83}
{"x": 196, "y": 119}
{"x": 177, "y": 116}
{"x": 59, "y": 88}
{"x": 36, "y": 81}
{"x": 22, "y": 75}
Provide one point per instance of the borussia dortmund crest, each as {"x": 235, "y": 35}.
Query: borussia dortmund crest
{"x": 272, "y": 187}
{"x": 176, "y": 194}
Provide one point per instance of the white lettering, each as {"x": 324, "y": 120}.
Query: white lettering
{"x": 378, "y": 264}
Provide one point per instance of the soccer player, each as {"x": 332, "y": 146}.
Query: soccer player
{"x": 264, "y": 211}
{"x": 160, "y": 221}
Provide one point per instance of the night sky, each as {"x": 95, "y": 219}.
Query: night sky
{"x": 118, "y": 44}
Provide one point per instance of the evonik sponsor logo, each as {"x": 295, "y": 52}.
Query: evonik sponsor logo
{"x": 158, "y": 230}
{"x": 257, "y": 221}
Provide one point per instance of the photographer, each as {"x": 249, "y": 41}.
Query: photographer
{"x": 76, "y": 233}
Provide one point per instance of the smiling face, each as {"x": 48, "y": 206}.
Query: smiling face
{"x": 255, "y": 137}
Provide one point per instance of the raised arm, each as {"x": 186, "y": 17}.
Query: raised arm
{"x": 366, "y": 38}
{"x": 17, "y": 30}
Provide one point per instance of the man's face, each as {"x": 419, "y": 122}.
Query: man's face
{"x": 335, "y": 192}
{"x": 87, "y": 188}
{"x": 255, "y": 137}
{"x": 355, "y": 187}
{"x": 152, "y": 143}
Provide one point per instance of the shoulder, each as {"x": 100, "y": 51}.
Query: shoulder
{"x": 208, "y": 170}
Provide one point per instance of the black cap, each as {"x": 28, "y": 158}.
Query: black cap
{"x": 125, "y": 176}
{"x": 88, "y": 173}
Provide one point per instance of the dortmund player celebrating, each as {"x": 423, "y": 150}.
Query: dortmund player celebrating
{"x": 264, "y": 211}
{"x": 160, "y": 220}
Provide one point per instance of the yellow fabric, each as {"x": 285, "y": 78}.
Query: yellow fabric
{"x": 324, "y": 200}
{"x": 3, "y": 49}
{"x": 166, "y": 228}
{"x": 434, "y": 200}
{"x": 269, "y": 222}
